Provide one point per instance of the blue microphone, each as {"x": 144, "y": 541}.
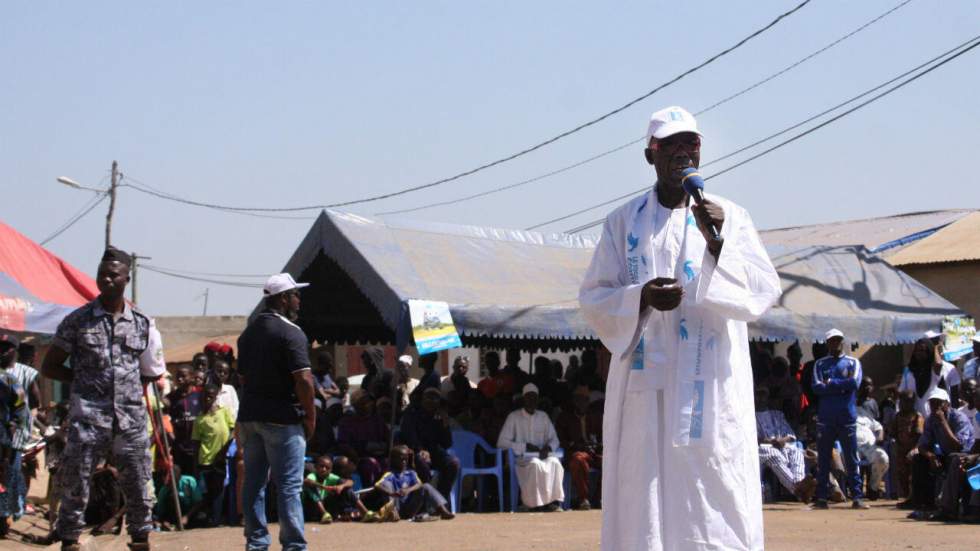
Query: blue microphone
{"x": 693, "y": 184}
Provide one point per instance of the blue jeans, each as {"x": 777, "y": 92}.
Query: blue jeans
{"x": 280, "y": 448}
{"x": 844, "y": 430}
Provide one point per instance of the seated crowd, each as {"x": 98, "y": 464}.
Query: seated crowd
{"x": 386, "y": 450}
{"x": 917, "y": 444}
{"x": 383, "y": 452}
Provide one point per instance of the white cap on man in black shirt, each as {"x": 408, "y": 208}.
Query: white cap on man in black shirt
{"x": 280, "y": 283}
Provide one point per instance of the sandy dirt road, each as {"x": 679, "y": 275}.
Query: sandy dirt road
{"x": 789, "y": 527}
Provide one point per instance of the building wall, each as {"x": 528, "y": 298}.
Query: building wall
{"x": 178, "y": 330}
{"x": 957, "y": 282}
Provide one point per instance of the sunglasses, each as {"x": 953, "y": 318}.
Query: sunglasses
{"x": 671, "y": 144}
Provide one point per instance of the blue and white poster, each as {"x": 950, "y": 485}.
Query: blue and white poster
{"x": 432, "y": 326}
{"x": 958, "y": 332}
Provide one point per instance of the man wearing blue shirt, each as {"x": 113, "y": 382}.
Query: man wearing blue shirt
{"x": 947, "y": 432}
{"x": 836, "y": 378}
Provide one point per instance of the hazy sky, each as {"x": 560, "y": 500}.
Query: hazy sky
{"x": 254, "y": 104}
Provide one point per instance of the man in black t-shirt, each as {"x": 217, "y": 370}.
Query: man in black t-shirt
{"x": 277, "y": 413}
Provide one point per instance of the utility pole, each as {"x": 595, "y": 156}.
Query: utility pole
{"x": 207, "y": 291}
{"x": 133, "y": 269}
{"x": 112, "y": 208}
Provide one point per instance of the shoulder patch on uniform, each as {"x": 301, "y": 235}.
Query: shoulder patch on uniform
{"x": 137, "y": 312}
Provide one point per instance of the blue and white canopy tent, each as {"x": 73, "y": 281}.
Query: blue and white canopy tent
{"x": 519, "y": 288}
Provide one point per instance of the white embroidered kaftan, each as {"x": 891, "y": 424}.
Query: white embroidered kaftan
{"x": 680, "y": 455}
{"x": 540, "y": 480}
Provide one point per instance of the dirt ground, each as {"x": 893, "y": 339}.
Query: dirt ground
{"x": 789, "y": 527}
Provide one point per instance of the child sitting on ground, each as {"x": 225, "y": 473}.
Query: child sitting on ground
{"x": 327, "y": 496}
{"x": 408, "y": 497}
{"x": 189, "y": 495}
{"x": 349, "y": 505}
{"x": 105, "y": 505}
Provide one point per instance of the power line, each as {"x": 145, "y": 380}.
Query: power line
{"x": 592, "y": 122}
{"x": 719, "y": 103}
{"x": 805, "y": 59}
{"x": 587, "y": 209}
{"x": 549, "y": 141}
{"x": 821, "y": 125}
{"x": 518, "y": 184}
{"x": 94, "y": 202}
{"x": 203, "y": 280}
{"x": 963, "y": 48}
{"x": 213, "y": 274}
{"x": 143, "y": 187}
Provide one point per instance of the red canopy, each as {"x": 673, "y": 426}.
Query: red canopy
{"x": 37, "y": 289}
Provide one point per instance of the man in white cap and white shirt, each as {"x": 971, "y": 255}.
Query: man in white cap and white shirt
{"x": 533, "y": 439}
{"x": 277, "y": 414}
{"x": 670, "y": 301}
{"x": 836, "y": 379}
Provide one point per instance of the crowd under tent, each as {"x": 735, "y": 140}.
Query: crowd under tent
{"x": 519, "y": 288}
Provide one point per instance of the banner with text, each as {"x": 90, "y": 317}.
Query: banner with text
{"x": 958, "y": 341}
{"x": 432, "y": 326}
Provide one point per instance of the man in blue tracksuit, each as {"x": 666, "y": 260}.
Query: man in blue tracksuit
{"x": 836, "y": 379}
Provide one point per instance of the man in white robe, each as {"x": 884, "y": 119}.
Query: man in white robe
{"x": 670, "y": 302}
{"x": 532, "y": 437}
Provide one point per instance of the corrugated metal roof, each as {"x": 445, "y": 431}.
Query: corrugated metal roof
{"x": 956, "y": 242}
{"x": 870, "y": 232}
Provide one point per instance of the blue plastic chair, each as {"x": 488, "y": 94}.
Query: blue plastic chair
{"x": 464, "y": 448}
{"x": 973, "y": 477}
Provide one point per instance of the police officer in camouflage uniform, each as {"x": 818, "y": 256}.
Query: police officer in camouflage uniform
{"x": 104, "y": 341}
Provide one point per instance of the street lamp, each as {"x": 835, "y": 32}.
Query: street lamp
{"x": 108, "y": 222}
{"x": 111, "y": 191}
{"x": 69, "y": 182}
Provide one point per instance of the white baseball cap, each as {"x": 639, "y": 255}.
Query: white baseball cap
{"x": 930, "y": 334}
{"x": 937, "y": 393}
{"x": 280, "y": 283}
{"x": 670, "y": 121}
{"x": 528, "y": 388}
{"x": 405, "y": 359}
{"x": 833, "y": 333}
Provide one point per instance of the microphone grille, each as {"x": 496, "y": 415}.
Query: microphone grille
{"x": 692, "y": 180}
